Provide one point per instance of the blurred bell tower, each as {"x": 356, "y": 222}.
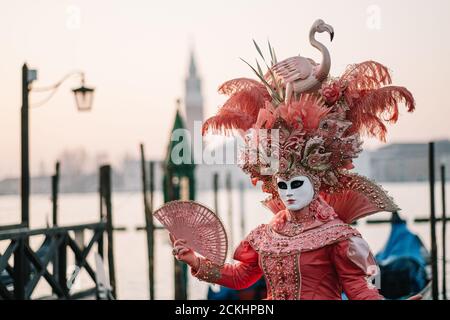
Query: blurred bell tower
{"x": 193, "y": 96}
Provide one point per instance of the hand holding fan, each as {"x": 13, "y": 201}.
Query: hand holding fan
{"x": 198, "y": 225}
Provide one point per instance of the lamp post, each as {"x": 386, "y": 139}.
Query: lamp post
{"x": 83, "y": 98}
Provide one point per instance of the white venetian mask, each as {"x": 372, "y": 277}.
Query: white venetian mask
{"x": 296, "y": 193}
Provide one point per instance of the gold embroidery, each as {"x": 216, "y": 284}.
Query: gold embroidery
{"x": 283, "y": 276}
{"x": 208, "y": 271}
{"x": 265, "y": 240}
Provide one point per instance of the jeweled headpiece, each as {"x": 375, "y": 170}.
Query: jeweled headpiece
{"x": 318, "y": 120}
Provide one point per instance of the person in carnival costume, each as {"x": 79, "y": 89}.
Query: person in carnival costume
{"x": 311, "y": 124}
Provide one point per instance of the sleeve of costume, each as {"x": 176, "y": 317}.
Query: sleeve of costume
{"x": 239, "y": 275}
{"x": 354, "y": 264}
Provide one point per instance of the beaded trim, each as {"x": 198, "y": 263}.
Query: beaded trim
{"x": 265, "y": 240}
{"x": 282, "y": 276}
{"x": 374, "y": 192}
{"x": 207, "y": 271}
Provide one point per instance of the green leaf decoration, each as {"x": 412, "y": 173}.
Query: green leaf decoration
{"x": 259, "y": 50}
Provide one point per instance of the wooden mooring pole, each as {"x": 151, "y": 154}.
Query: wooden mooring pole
{"x": 55, "y": 186}
{"x": 434, "y": 269}
{"x": 216, "y": 192}
{"x": 102, "y": 216}
{"x": 106, "y": 190}
{"x": 242, "y": 208}
{"x": 444, "y": 230}
{"x": 151, "y": 231}
{"x": 230, "y": 209}
{"x": 149, "y": 227}
{"x": 180, "y": 277}
{"x": 25, "y": 154}
{"x": 21, "y": 268}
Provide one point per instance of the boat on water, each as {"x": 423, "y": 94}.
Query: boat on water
{"x": 404, "y": 263}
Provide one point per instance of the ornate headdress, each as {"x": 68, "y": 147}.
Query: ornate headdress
{"x": 318, "y": 121}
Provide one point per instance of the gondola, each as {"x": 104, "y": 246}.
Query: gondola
{"x": 404, "y": 263}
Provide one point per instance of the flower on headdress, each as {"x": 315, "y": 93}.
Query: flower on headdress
{"x": 313, "y": 109}
{"x": 323, "y": 211}
{"x": 291, "y": 114}
{"x": 332, "y": 92}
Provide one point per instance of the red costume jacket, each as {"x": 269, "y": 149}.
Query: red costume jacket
{"x": 319, "y": 263}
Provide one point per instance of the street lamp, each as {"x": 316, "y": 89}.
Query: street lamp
{"x": 83, "y": 98}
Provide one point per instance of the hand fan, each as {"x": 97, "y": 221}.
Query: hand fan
{"x": 198, "y": 225}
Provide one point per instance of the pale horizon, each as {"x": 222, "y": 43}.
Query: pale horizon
{"x": 136, "y": 56}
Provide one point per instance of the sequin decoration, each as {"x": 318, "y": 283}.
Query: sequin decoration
{"x": 374, "y": 192}
{"x": 265, "y": 240}
{"x": 207, "y": 271}
{"x": 282, "y": 276}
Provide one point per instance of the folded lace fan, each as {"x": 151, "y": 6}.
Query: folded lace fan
{"x": 198, "y": 225}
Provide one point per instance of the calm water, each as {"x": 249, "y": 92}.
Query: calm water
{"x": 130, "y": 245}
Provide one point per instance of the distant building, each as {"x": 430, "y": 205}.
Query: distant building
{"x": 362, "y": 164}
{"x": 400, "y": 162}
{"x": 193, "y": 99}
{"x": 131, "y": 172}
{"x": 9, "y": 186}
{"x": 194, "y": 112}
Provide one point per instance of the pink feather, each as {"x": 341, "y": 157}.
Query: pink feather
{"x": 241, "y": 110}
{"x": 370, "y": 102}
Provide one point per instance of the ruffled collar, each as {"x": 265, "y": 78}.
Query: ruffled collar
{"x": 290, "y": 223}
{"x": 265, "y": 240}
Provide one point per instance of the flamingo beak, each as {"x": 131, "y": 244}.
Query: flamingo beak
{"x": 330, "y": 30}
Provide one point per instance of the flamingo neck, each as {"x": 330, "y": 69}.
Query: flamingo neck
{"x": 324, "y": 69}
